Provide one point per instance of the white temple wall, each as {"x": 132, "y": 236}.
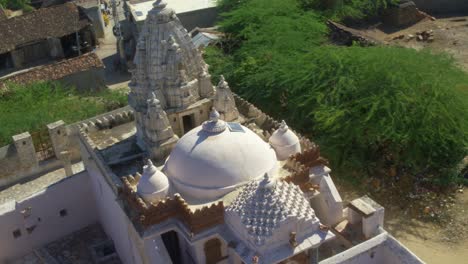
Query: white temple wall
{"x": 51, "y": 216}
{"x": 113, "y": 219}
{"x": 371, "y": 224}
{"x": 328, "y": 205}
{"x": 381, "y": 249}
{"x": 368, "y": 252}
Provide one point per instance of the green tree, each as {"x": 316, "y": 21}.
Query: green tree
{"x": 31, "y": 107}
{"x": 369, "y": 108}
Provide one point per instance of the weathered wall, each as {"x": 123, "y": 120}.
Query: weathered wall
{"x": 91, "y": 80}
{"x": 94, "y": 13}
{"x": 439, "y": 7}
{"x": 199, "y": 18}
{"x": 9, "y": 162}
{"x": 45, "y": 216}
{"x": 111, "y": 215}
{"x": 15, "y": 167}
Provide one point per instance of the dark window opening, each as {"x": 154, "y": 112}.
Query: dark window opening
{"x": 30, "y": 229}
{"x": 213, "y": 251}
{"x": 16, "y": 233}
{"x": 188, "y": 122}
{"x": 5, "y": 61}
{"x": 63, "y": 212}
{"x": 171, "y": 242}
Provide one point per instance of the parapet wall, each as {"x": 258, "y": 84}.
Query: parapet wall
{"x": 150, "y": 214}
{"x": 19, "y": 160}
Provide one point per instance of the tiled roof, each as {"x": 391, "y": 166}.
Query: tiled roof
{"x": 56, "y": 21}
{"x": 56, "y": 70}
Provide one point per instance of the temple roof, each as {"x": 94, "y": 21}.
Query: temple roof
{"x": 214, "y": 159}
{"x": 263, "y": 206}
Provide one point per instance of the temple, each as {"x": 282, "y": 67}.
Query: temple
{"x": 192, "y": 173}
{"x": 212, "y": 179}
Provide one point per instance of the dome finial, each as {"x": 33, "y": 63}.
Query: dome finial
{"x": 283, "y": 126}
{"x": 214, "y": 125}
{"x": 267, "y": 182}
{"x": 160, "y": 4}
{"x": 214, "y": 115}
{"x": 149, "y": 162}
{"x": 149, "y": 168}
{"x": 171, "y": 39}
{"x": 222, "y": 82}
{"x": 153, "y": 100}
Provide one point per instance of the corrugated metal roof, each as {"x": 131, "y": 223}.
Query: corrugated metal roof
{"x": 204, "y": 39}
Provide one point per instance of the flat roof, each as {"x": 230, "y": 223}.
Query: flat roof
{"x": 140, "y": 10}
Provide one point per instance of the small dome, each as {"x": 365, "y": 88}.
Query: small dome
{"x": 153, "y": 185}
{"x": 285, "y": 142}
{"x": 209, "y": 161}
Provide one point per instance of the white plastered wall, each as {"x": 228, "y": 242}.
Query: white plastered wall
{"x": 73, "y": 194}
{"x": 113, "y": 219}
{"x": 328, "y": 205}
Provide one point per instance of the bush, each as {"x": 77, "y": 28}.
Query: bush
{"x": 371, "y": 109}
{"x": 31, "y": 107}
{"x": 16, "y": 5}
{"x": 333, "y": 9}
{"x": 348, "y": 9}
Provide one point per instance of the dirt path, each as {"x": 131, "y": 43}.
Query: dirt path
{"x": 449, "y": 35}
{"x": 434, "y": 243}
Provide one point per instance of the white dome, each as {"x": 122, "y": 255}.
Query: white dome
{"x": 153, "y": 185}
{"x": 210, "y": 161}
{"x": 285, "y": 142}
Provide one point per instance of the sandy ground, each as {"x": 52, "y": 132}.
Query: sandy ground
{"x": 434, "y": 243}
{"x": 450, "y": 35}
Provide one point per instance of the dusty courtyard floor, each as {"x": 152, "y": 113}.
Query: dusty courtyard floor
{"x": 441, "y": 238}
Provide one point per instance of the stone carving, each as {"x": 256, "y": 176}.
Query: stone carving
{"x": 224, "y": 101}
{"x": 265, "y": 211}
{"x": 169, "y": 68}
{"x": 157, "y": 130}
